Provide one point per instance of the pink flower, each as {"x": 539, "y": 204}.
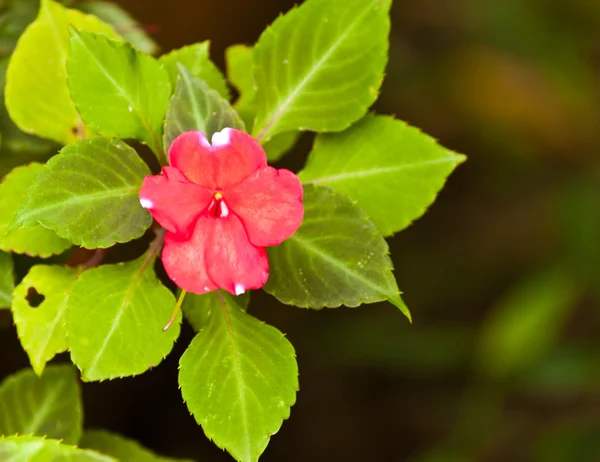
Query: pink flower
{"x": 221, "y": 205}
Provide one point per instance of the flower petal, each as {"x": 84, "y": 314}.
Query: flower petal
{"x": 269, "y": 204}
{"x": 184, "y": 260}
{"x": 174, "y": 201}
{"x": 233, "y": 263}
{"x": 232, "y": 157}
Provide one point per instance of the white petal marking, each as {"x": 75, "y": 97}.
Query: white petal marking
{"x": 239, "y": 289}
{"x": 221, "y": 138}
{"x": 203, "y": 141}
{"x": 146, "y": 203}
{"x": 224, "y": 209}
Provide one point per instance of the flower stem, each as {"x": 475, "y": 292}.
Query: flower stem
{"x": 176, "y": 310}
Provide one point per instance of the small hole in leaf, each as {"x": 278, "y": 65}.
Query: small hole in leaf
{"x": 76, "y": 131}
{"x": 34, "y": 298}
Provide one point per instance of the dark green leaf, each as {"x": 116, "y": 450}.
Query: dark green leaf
{"x": 195, "y": 59}
{"x": 123, "y": 23}
{"x": 49, "y": 405}
{"x": 115, "y": 317}
{"x": 34, "y": 240}
{"x": 89, "y": 194}
{"x": 319, "y": 67}
{"x": 194, "y": 106}
{"x": 337, "y": 257}
{"x": 37, "y": 96}
{"x": 393, "y": 171}
{"x": 526, "y": 322}
{"x": 239, "y": 378}
{"x": 118, "y": 90}
{"x": 41, "y": 321}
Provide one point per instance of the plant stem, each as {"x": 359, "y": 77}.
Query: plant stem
{"x": 176, "y": 310}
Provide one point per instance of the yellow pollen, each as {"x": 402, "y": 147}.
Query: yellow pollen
{"x": 218, "y": 196}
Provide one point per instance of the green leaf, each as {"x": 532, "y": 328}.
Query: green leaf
{"x": 194, "y": 106}
{"x": 41, "y": 326}
{"x": 239, "y": 378}
{"x": 89, "y": 194}
{"x": 239, "y": 70}
{"x": 35, "y": 240}
{"x": 119, "y": 447}
{"x": 196, "y": 308}
{"x": 337, "y": 257}
{"x": 115, "y": 317}
{"x": 15, "y": 16}
{"x": 118, "y": 90}
{"x": 393, "y": 171}
{"x": 37, "y": 97}
{"x": 7, "y": 280}
{"x": 49, "y": 405}
{"x": 526, "y": 322}
{"x": 123, "y": 23}
{"x": 319, "y": 67}
{"x": 35, "y": 449}
{"x": 13, "y": 139}
{"x": 195, "y": 59}
{"x": 280, "y": 145}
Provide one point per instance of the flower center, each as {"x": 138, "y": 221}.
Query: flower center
{"x": 218, "y": 208}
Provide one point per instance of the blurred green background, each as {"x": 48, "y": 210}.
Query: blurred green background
{"x": 502, "y": 274}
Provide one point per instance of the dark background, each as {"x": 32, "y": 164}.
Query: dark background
{"x": 502, "y": 362}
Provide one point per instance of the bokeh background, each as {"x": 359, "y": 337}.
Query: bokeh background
{"x": 502, "y": 275}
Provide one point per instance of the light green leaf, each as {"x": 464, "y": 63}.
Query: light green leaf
{"x": 194, "y": 106}
{"x": 41, "y": 326}
{"x": 119, "y": 447}
{"x": 280, "y": 145}
{"x": 124, "y": 24}
{"x": 37, "y": 97}
{"x": 7, "y": 280}
{"x": 239, "y": 70}
{"x": 89, "y": 194}
{"x": 526, "y": 322}
{"x": 13, "y": 139}
{"x": 319, "y": 67}
{"x": 49, "y": 405}
{"x": 35, "y": 240}
{"x": 393, "y": 171}
{"x": 115, "y": 320}
{"x": 239, "y": 378}
{"x": 118, "y": 90}
{"x": 195, "y": 59}
{"x": 196, "y": 308}
{"x": 337, "y": 257}
{"x": 35, "y": 449}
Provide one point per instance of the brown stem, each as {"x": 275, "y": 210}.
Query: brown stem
{"x": 94, "y": 261}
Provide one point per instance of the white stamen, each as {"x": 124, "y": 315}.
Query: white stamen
{"x": 146, "y": 203}
{"x": 239, "y": 289}
{"x": 221, "y": 138}
{"x": 224, "y": 209}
